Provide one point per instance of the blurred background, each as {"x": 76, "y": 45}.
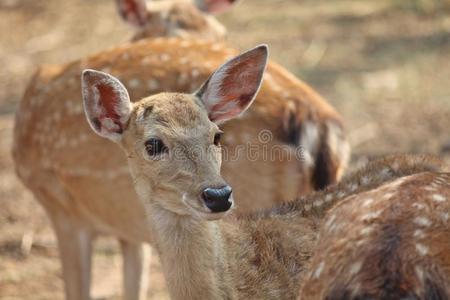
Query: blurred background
{"x": 384, "y": 64}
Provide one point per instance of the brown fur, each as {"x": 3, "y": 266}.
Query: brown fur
{"x": 389, "y": 242}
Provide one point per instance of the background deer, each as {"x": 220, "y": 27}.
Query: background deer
{"x": 391, "y": 242}
{"x": 174, "y": 18}
{"x": 259, "y": 257}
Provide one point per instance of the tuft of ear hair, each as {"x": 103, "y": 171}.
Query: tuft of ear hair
{"x": 106, "y": 103}
{"x": 231, "y": 89}
{"x": 133, "y": 12}
{"x": 215, "y": 6}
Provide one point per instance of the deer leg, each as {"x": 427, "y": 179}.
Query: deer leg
{"x": 75, "y": 251}
{"x": 136, "y": 263}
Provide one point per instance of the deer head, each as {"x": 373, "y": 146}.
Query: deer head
{"x": 172, "y": 140}
{"x": 180, "y": 18}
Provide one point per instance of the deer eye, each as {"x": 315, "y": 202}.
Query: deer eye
{"x": 155, "y": 147}
{"x": 217, "y": 137}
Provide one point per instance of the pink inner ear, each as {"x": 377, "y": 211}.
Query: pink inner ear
{"x": 237, "y": 89}
{"x": 109, "y": 102}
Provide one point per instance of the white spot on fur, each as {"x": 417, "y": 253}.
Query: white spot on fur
{"x": 185, "y": 43}
{"x": 421, "y": 249}
{"x": 307, "y": 207}
{"x": 439, "y": 198}
{"x": 319, "y": 270}
{"x": 444, "y": 217}
{"x": 328, "y": 198}
{"x": 371, "y": 215}
{"x": 422, "y": 221}
{"x": 366, "y": 230}
{"x": 341, "y": 194}
{"x": 367, "y": 202}
{"x": 183, "y": 60}
{"x": 146, "y": 60}
{"x": 216, "y": 47}
{"x": 388, "y": 196}
{"x": 164, "y": 57}
{"x": 153, "y": 84}
{"x": 318, "y": 203}
{"x": 125, "y": 56}
{"x": 182, "y": 79}
{"x": 355, "y": 268}
{"x": 195, "y": 73}
{"x": 83, "y": 137}
{"x": 134, "y": 83}
{"x": 430, "y": 188}
{"x": 418, "y": 233}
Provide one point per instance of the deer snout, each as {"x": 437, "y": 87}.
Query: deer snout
{"x": 217, "y": 200}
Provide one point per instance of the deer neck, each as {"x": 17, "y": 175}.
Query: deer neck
{"x": 192, "y": 255}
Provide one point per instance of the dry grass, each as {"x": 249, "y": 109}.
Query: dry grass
{"x": 384, "y": 64}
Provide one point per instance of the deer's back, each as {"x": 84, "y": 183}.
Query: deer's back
{"x": 389, "y": 243}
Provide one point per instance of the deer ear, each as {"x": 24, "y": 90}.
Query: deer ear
{"x": 232, "y": 88}
{"x": 215, "y": 6}
{"x": 133, "y": 12}
{"x": 106, "y": 104}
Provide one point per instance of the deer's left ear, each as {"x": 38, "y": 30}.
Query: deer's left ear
{"x": 215, "y": 6}
{"x": 232, "y": 88}
{"x": 106, "y": 104}
{"x": 133, "y": 12}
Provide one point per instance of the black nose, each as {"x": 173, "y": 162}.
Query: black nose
{"x": 217, "y": 200}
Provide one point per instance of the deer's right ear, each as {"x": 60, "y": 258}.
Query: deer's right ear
{"x": 106, "y": 104}
{"x": 133, "y": 12}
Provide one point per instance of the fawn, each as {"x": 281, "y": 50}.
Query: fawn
{"x": 390, "y": 242}
{"x": 57, "y": 158}
{"x": 262, "y": 256}
{"x": 174, "y": 18}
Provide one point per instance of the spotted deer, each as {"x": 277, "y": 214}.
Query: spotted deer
{"x": 174, "y": 18}
{"x": 172, "y": 143}
{"x": 390, "y": 242}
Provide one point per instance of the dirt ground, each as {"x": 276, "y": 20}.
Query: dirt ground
{"x": 385, "y": 65}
